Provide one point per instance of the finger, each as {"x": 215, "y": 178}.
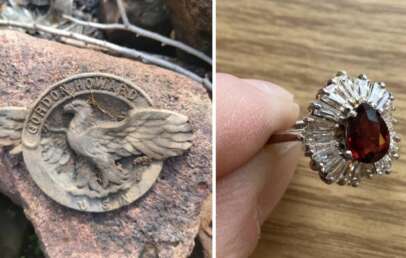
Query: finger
{"x": 270, "y": 88}
{"x": 282, "y": 159}
{"x": 241, "y": 198}
{"x": 246, "y": 117}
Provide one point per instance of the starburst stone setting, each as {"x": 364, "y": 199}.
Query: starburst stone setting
{"x": 349, "y": 133}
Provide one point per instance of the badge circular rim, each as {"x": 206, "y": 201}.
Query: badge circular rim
{"x": 52, "y": 99}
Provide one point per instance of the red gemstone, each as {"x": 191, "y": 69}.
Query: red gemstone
{"x": 367, "y": 136}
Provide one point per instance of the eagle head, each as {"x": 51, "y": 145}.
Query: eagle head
{"x": 77, "y": 106}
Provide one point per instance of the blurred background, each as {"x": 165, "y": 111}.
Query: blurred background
{"x": 300, "y": 44}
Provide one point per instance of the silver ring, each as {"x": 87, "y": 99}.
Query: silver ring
{"x": 349, "y": 131}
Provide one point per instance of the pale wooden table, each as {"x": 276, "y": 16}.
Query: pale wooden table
{"x": 300, "y": 44}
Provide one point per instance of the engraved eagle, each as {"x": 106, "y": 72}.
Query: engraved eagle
{"x": 96, "y": 146}
{"x": 11, "y": 126}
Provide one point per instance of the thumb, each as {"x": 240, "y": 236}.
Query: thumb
{"x": 248, "y": 112}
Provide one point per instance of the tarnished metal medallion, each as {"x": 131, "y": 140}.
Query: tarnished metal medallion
{"x": 93, "y": 142}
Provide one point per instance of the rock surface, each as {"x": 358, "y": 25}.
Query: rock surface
{"x": 165, "y": 221}
{"x": 192, "y": 21}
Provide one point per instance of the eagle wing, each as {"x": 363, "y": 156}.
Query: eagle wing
{"x": 158, "y": 134}
{"x": 11, "y": 127}
{"x": 55, "y": 151}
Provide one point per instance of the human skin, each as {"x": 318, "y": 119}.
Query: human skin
{"x": 251, "y": 176}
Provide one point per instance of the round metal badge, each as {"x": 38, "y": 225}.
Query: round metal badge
{"x": 93, "y": 142}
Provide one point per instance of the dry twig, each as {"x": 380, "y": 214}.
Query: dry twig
{"x": 123, "y": 13}
{"x": 145, "y": 33}
{"x": 79, "y": 39}
{"x": 128, "y": 52}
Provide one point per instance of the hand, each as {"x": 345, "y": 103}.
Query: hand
{"x": 251, "y": 178}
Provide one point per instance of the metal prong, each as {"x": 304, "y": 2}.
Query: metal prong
{"x": 397, "y": 138}
{"x": 352, "y": 113}
{"x": 322, "y": 168}
{"x": 363, "y": 77}
{"x": 341, "y": 73}
{"x": 347, "y": 155}
{"x": 355, "y": 183}
{"x": 382, "y": 84}
{"x": 315, "y": 105}
{"x": 395, "y": 156}
{"x": 368, "y": 173}
{"x": 343, "y": 181}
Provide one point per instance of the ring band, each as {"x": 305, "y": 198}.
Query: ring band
{"x": 290, "y": 135}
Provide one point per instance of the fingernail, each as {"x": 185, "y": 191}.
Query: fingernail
{"x": 270, "y": 89}
{"x": 296, "y": 108}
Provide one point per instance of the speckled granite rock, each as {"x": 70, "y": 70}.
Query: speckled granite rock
{"x": 165, "y": 221}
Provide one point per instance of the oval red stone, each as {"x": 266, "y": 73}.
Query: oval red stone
{"x": 367, "y": 135}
